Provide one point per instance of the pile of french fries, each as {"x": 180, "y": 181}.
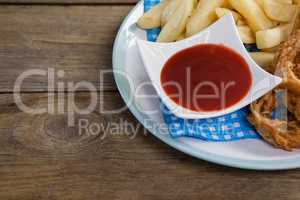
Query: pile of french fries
{"x": 266, "y": 23}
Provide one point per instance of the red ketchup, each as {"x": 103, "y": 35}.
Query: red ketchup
{"x": 206, "y": 77}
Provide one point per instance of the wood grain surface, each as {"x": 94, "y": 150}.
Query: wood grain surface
{"x": 76, "y": 39}
{"x": 42, "y": 157}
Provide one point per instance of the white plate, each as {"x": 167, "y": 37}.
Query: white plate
{"x": 127, "y": 64}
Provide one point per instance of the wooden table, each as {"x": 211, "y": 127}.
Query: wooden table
{"x": 42, "y": 158}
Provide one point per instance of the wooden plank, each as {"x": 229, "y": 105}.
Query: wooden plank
{"x": 105, "y": 2}
{"x": 42, "y": 158}
{"x": 75, "y": 39}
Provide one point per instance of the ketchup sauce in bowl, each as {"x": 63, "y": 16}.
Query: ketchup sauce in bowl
{"x": 207, "y": 75}
{"x": 206, "y": 78}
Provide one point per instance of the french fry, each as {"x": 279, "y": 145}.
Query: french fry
{"x": 271, "y": 50}
{"x": 241, "y": 23}
{"x": 204, "y": 16}
{"x": 220, "y": 12}
{"x": 285, "y": 1}
{"x": 181, "y": 37}
{"x": 254, "y": 15}
{"x": 246, "y": 34}
{"x": 152, "y": 18}
{"x": 296, "y": 19}
{"x": 227, "y": 5}
{"x": 263, "y": 59}
{"x": 169, "y": 11}
{"x": 176, "y": 25}
{"x": 272, "y": 37}
{"x": 280, "y": 12}
{"x": 257, "y": 20}
{"x": 260, "y": 3}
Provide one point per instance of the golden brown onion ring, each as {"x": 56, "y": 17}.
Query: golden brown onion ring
{"x": 284, "y": 134}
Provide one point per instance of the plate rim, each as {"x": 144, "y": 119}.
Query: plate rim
{"x": 287, "y": 164}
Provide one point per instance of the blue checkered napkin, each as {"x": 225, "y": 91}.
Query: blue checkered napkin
{"x": 151, "y": 33}
{"x": 230, "y": 127}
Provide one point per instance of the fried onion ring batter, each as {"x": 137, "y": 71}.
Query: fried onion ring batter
{"x": 284, "y": 134}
